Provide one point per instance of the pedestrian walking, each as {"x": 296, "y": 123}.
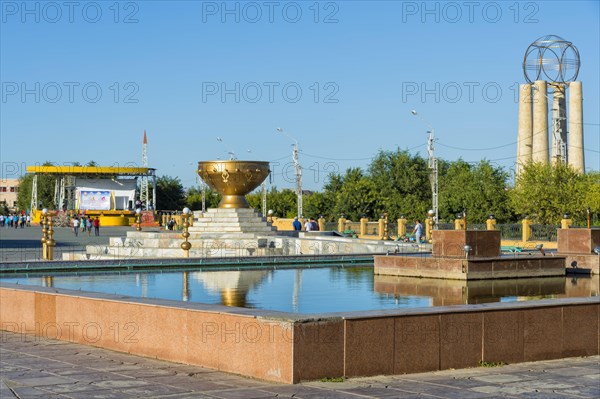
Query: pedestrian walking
{"x": 88, "y": 225}
{"x": 297, "y": 225}
{"x": 76, "y": 226}
{"x": 418, "y": 231}
{"x": 97, "y": 226}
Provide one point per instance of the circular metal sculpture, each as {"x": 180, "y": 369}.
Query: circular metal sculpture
{"x": 551, "y": 58}
{"x": 233, "y": 179}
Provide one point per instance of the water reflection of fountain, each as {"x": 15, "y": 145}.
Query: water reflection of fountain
{"x": 233, "y": 286}
{"x": 458, "y": 292}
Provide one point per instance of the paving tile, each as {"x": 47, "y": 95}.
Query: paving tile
{"x": 499, "y": 389}
{"x": 329, "y": 395}
{"x": 145, "y": 373}
{"x": 547, "y": 395}
{"x": 119, "y": 384}
{"x": 459, "y": 383}
{"x": 195, "y": 384}
{"x": 29, "y": 392}
{"x": 153, "y": 391}
{"x": 439, "y": 390}
{"x": 380, "y": 392}
{"x": 592, "y": 391}
{"x": 501, "y": 378}
{"x": 297, "y": 391}
{"x": 7, "y": 368}
{"x": 73, "y": 387}
{"x": 194, "y": 395}
{"x": 100, "y": 394}
{"x": 46, "y": 380}
{"x": 243, "y": 394}
{"x": 92, "y": 375}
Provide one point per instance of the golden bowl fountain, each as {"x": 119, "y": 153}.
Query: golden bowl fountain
{"x": 233, "y": 179}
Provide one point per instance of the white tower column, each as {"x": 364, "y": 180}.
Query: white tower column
{"x": 575, "y": 147}
{"x": 525, "y": 133}
{"x": 539, "y": 151}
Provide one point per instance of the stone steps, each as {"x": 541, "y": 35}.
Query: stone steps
{"x": 217, "y": 232}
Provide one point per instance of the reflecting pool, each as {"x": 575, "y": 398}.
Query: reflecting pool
{"x": 316, "y": 290}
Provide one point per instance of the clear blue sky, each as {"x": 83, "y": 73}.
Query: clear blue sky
{"x": 361, "y": 66}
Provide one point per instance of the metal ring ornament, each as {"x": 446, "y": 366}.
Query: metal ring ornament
{"x": 553, "y": 59}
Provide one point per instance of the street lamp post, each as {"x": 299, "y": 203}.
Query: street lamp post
{"x": 298, "y": 171}
{"x": 433, "y": 166}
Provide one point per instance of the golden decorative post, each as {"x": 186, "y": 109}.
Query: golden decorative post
{"x": 138, "y": 219}
{"x": 50, "y": 243}
{"x": 386, "y": 233}
{"x": 401, "y": 226}
{"x": 44, "y": 234}
{"x": 490, "y": 224}
{"x": 429, "y": 225}
{"x": 363, "y": 226}
{"x": 589, "y": 218}
{"x": 185, "y": 245}
{"x": 322, "y": 223}
{"x": 380, "y": 227}
{"x": 566, "y": 221}
{"x": 458, "y": 223}
{"x": 341, "y": 224}
{"x": 526, "y": 233}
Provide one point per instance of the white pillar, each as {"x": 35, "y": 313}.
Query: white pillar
{"x": 575, "y": 147}
{"x": 524, "y": 136}
{"x": 539, "y": 150}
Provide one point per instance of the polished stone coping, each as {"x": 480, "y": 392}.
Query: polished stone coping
{"x": 310, "y": 317}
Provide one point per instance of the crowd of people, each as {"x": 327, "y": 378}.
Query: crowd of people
{"x": 310, "y": 225}
{"x": 78, "y": 223}
{"x": 15, "y": 220}
{"x": 85, "y": 223}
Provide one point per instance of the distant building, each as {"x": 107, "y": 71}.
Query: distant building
{"x": 9, "y": 188}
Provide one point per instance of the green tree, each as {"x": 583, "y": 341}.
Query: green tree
{"x": 592, "y": 198}
{"x": 193, "y": 198}
{"x": 316, "y": 205}
{"x": 402, "y": 184}
{"x": 169, "y": 193}
{"x": 480, "y": 188}
{"x": 283, "y": 203}
{"x": 546, "y": 192}
{"x": 356, "y": 196}
{"x": 45, "y": 190}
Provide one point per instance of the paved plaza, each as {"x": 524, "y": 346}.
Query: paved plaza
{"x": 33, "y": 367}
{"x": 24, "y": 244}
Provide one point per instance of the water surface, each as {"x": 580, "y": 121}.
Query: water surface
{"x": 316, "y": 290}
